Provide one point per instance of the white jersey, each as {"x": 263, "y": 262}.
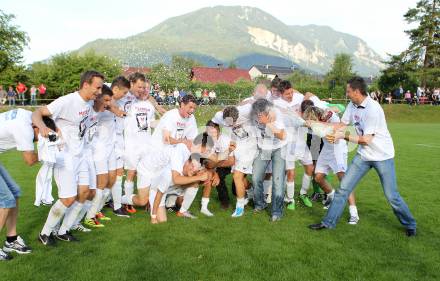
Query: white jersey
{"x": 124, "y": 105}
{"x": 16, "y": 130}
{"x": 338, "y": 149}
{"x": 106, "y": 128}
{"x": 91, "y": 131}
{"x": 137, "y": 128}
{"x": 242, "y": 131}
{"x": 176, "y": 125}
{"x": 221, "y": 147}
{"x": 70, "y": 113}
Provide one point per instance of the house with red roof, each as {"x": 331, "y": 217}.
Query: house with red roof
{"x": 127, "y": 70}
{"x": 219, "y": 74}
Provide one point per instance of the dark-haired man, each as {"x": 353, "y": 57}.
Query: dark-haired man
{"x": 16, "y": 131}
{"x": 71, "y": 113}
{"x": 237, "y": 120}
{"x": 179, "y": 126}
{"x": 376, "y": 150}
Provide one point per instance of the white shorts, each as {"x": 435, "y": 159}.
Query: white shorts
{"x": 69, "y": 172}
{"x": 328, "y": 163}
{"x": 119, "y": 151}
{"x": 155, "y": 181}
{"x": 245, "y": 154}
{"x": 132, "y": 157}
{"x": 105, "y": 159}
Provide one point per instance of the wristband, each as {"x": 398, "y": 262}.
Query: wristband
{"x": 154, "y": 216}
{"x": 347, "y": 136}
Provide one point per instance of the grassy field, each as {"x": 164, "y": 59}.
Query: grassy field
{"x": 252, "y": 248}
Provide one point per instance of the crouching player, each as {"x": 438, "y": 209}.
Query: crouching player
{"x": 333, "y": 157}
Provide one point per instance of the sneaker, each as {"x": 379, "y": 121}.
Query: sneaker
{"x": 100, "y": 216}
{"x": 4, "y": 256}
{"x": 268, "y": 198}
{"x": 109, "y": 204}
{"x": 67, "y": 237}
{"x": 46, "y": 240}
{"x": 411, "y": 232}
{"x": 81, "y": 228}
{"x": 186, "y": 214}
{"x": 258, "y": 210}
{"x": 18, "y": 246}
{"x": 206, "y": 212}
{"x": 121, "y": 212}
{"x": 275, "y": 218}
{"x": 327, "y": 201}
{"x": 130, "y": 209}
{"x": 291, "y": 206}
{"x": 306, "y": 201}
{"x": 238, "y": 212}
{"x": 316, "y": 196}
{"x": 94, "y": 223}
{"x": 353, "y": 220}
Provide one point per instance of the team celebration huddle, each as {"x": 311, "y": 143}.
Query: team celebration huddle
{"x": 111, "y": 145}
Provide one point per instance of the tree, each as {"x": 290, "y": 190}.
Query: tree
{"x": 12, "y": 42}
{"x": 420, "y": 63}
{"x": 62, "y": 72}
{"x": 341, "y": 71}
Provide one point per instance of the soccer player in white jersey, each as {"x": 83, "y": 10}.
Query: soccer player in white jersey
{"x": 221, "y": 160}
{"x": 237, "y": 120}
{"x": 94, "y": 146}
{"x": 137, "y": 135}
{"x": 289, "y": 106}
{"x": 138, "y": 86}
{"x": 178, "y": 126}
{"x": 170, "y": 171}
{"x": 111, "y": 145}
{"x": 332, "y": 158}
{"x": 16, "y": 131}
{"x": 70, "y": 113}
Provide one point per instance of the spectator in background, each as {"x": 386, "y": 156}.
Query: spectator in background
{"x": 199, "y": 95}
{"x": 3, "y": 95}
{"x": 379, "y": 95}
{"x": 11, "y": 96}
{"x": 205, "y": 97}
{"x": 33, "y": 92}
{"x": 41, "y": 90}
{"x": 418, "y": 94}
{"x": 21, "y": 90}
{"x": 389, "y": 98}
{"x": 436, "y": 97}
{"x": 212, "y": 97}
{"x": 408, "y": 97}
{"x": 373, "y": 95}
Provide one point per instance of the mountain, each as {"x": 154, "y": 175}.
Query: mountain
{"x": 243, "y": 35}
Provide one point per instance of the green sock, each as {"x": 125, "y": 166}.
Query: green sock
{"x": 316, "y": 187}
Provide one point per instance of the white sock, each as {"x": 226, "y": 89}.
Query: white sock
{"x": 70, "y": 218}
{"x": 129, "y": 188}
{"x": 205, "y": 202}
{"x": 117, "y": 193}
{"x": 96, "y": 202}
{"x": 332, "y": 194}
{"x": 188, "y": 197}
{"x": 56, "y": 213}
{"x": 240, "y": 203}
{"x": 353, "y": 211}
{"x": 267, "y": 186}
{"x": 106, "y": 195}
{"x": 305, "y": 184}
{"x": 85, "y": 208}
{"x": 127, "y": 200}
{"x": 290, "y": 191}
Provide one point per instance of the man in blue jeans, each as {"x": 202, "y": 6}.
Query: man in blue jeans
{"x": 375, "y": 150}
{"x": 271, "y": 139}
{"x": 16, "y": 131}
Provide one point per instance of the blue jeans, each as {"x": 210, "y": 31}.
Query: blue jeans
{"x": 258, "y": 173}
{"x": 387, "y": 174}
{"x": 9, "y": 189}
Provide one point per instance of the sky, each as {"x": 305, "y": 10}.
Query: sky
{"x": 58, "y": 26}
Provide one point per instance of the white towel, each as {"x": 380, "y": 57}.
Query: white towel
{"x": 47, "y": 154}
